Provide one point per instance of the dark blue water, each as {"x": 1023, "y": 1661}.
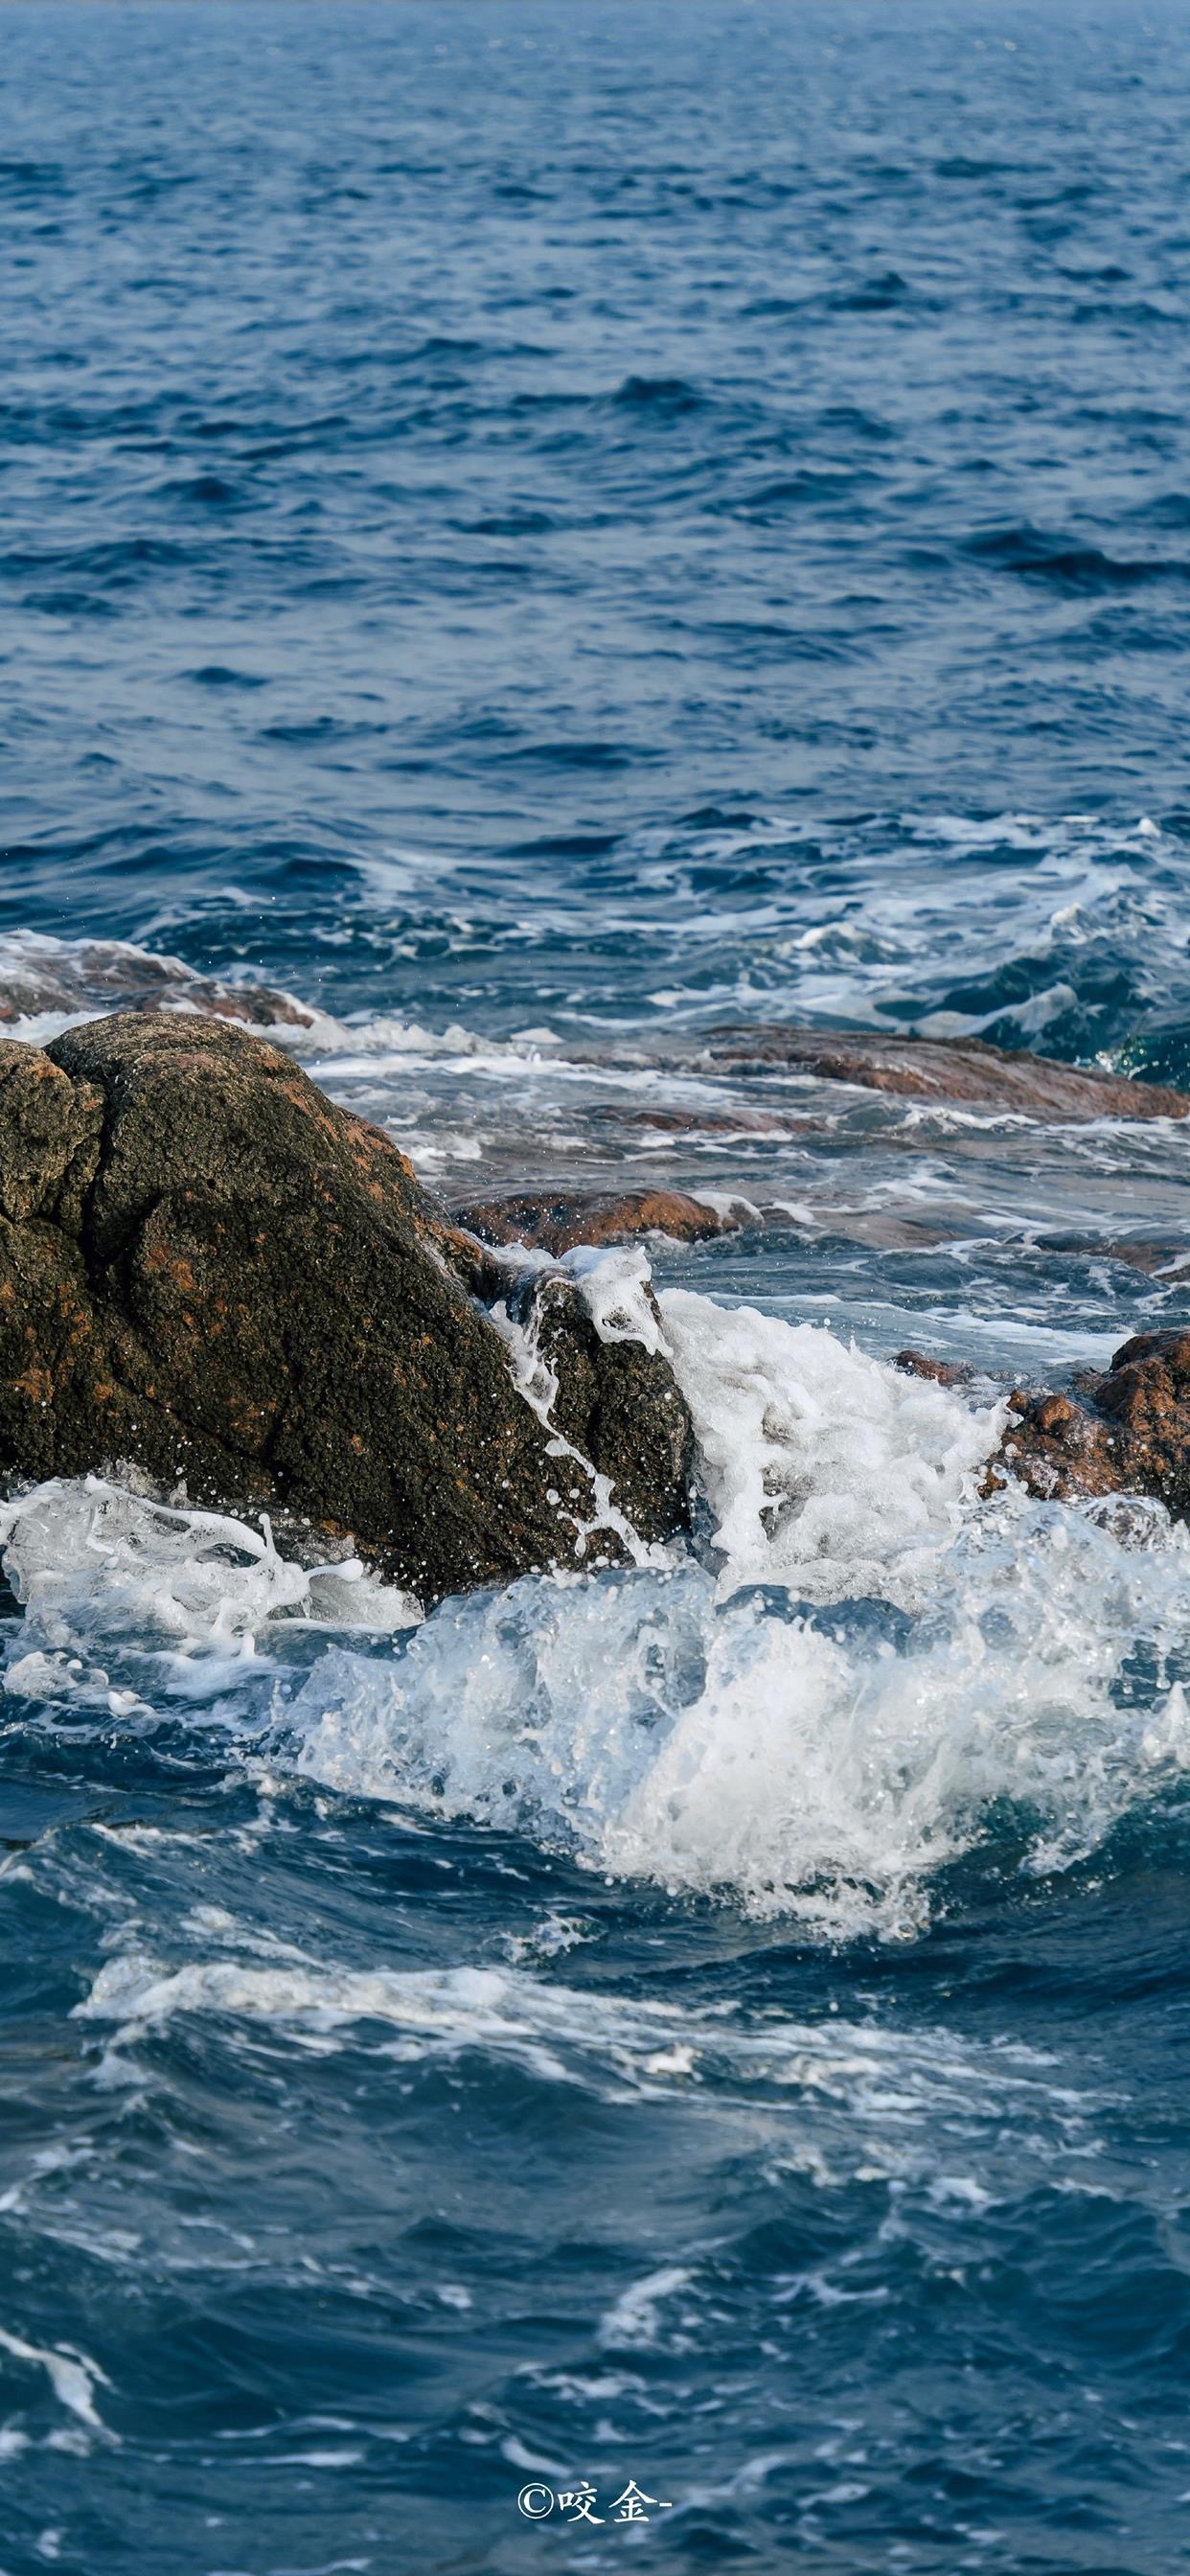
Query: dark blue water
{"x": 539, "y": 530}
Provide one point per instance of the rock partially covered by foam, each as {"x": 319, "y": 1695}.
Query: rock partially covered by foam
{"x": 211, "y": 1273}
{"x": 1125, "y": 1430}
{"x": 41, "y": 977}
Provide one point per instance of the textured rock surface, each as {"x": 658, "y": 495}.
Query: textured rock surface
{"x": 941, "y": 1069}
{"x": 555, "y": 1222}
{"x": 612, "y": 1400}
{"x": 209, "y": 1271}
{"x": 1125, "y": 1430}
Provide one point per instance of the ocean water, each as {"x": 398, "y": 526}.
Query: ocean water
{"x": 542, "y": 532}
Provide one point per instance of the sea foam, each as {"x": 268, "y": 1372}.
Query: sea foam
{"x": 710, "y": 1727}
{"x": 858, "y": 1671}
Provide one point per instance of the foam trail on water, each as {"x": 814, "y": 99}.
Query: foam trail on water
{"x": 867, "y": 2092}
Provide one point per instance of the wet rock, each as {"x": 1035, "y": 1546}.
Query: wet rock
{"x": 1125, "y": 1429}
{"x": 40, "y": 974}
{"x": 941, "y": 1372}
{"x": 943, "y": 1069}
{"x": 212, "y": 1274}
{"x": 739, "y": 1122}
{"x": 559, "y": 1221}
{"x": 1151, "y": 1258}
{"x": 610, "y": 1399}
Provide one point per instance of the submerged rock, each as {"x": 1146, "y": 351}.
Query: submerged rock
{"x": 939, "y": 1372}
{"x": 211, "y": 1273}
{"x": 1123, "y": 1430}
{"x": 41, "y": 975}
{"x": 558, "y": 1221}
{"x": 944, "y": 1069}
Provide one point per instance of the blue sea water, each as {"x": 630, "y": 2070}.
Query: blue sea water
{"x": 540, "y": 530}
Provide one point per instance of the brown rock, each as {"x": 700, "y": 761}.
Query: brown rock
{"x": 557, "y": 1222}
{"x": 210, "y": 1272}
{"x": 943, "y": 1069}
{"x": 1125, "y": 1430}
{"x": 942, "y": 1372}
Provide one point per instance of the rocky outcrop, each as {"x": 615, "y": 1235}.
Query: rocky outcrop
{"x": 940, "y": 1070}
{"x": 1120, "y": 1430}
{"x": 1123, "y": 1430}
{"x": 212, "y": 1274}
{"x": 556, "y": 1222}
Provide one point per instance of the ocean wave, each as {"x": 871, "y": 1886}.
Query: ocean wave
{"x": 868, "y": 1671}
{"x": 664, "y": 929}
{"x": 758, "y": 1752}
{"x": 892, "y": 2085}
{"x": 1069, "y": 564}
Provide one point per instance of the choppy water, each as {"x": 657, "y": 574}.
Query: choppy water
{"x": 541, "y": 532}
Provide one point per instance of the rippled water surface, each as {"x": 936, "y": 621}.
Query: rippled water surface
{"x": 544, "y": 533}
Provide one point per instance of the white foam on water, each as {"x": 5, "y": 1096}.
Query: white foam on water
{"x": 871, "y": 941}
{"x": 727, "y": 1750}
{"x": 896, "y": 2083}
{"x": 634, "y": 2321}
{"x": 820, "y": 1464}
{"x": 97, "y": 1568}
{"x": 71, "y": 2375}
{"x": 672, "y": 1726}
{"x": 922, "y": 1663}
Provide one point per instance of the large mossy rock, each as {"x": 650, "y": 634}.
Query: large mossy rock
{"x": 210, "y": 1272}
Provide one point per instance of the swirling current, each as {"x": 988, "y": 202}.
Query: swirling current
{"x": 537, "y": 532}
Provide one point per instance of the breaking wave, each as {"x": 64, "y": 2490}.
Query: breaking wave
{"x": 860, "y": 1674}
